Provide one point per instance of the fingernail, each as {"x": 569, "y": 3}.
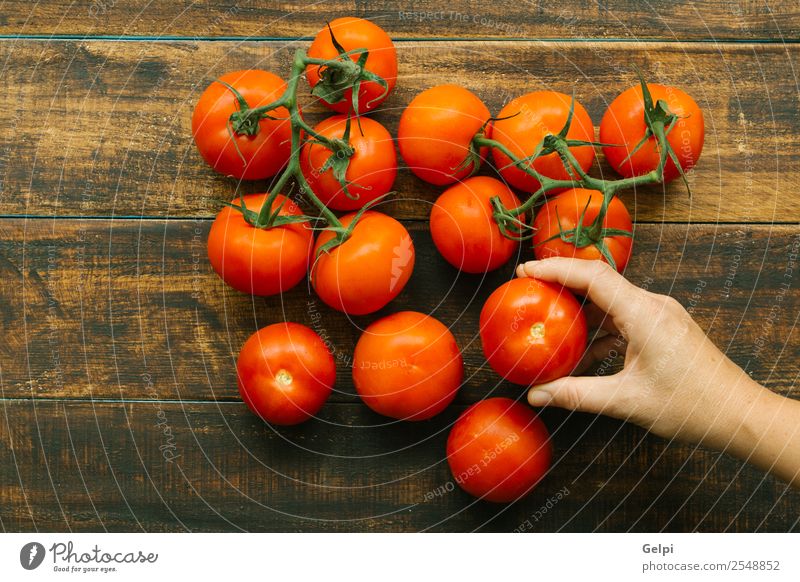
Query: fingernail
{"x": 520, "y": 270}
{"x": 538, "y": 397}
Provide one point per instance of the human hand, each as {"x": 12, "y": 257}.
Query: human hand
{"x": 675, "y": 382}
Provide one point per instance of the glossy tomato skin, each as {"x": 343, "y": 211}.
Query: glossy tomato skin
{"x": 435, "y": 132}
{"x": 264, "y": 153}
{"x": 532, "y": 331}
{"x": 529, "y": 119}
{"x": 498, "y": 450}
{"x": 464, "y": 230}
{"x": 260, "y": 261}
{"x": 566, "y": 208}
{"x": 355, "y": 33}
{"x": 372, "y": 168}
{"x": 286, "y": 373}
{"x": 368, "y": 270}
{"x": 623, "y": 123}
{"x": 407, "y": 366}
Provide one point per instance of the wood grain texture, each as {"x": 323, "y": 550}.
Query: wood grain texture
{"x": 156, "y": 466}
{"x": 131, "y": 309}
{"x": 661, "y": 19}
{"x": 103, "y": 128}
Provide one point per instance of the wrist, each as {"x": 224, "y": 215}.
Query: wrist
{"x": 741, "y": 416}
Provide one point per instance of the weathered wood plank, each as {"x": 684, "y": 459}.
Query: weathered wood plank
{"x": 131, "y": 309}
{"x": 149, "y": 466}
{"x": 634, "y": 19}
{"x": 103, "y": 128}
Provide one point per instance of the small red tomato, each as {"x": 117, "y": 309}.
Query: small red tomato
{"x": 407, "y": 366}
{"x": 436, "y": 131}
{"x": 286, "y": 373}
{"x": 532, "y": 331}
{"x": 623, "y": 123}
{"x": 356, "y": 33}
{"x": 369, "y": 269}
{"x": 563, "y": 213}
{"x": 260, "y": 261}
{"x": 498, "y": 450}
{"x": 523, "y": 124}
{"x": 463, "y": 227}
{"x": 251, "y": 157}
{"x": 371, "y": 170}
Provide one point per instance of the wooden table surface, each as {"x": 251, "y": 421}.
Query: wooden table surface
{"x": 119, "y": 403}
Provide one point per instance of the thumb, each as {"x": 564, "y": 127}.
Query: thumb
{"x": 593, "y": 394}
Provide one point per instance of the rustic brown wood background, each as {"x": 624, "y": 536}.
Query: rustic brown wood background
{"x": 119, "y": 402}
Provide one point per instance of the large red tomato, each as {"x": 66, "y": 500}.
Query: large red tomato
{"x": 532, "y": 331}
{"x": 260, "y": 261}
{"x": 624, "y": 124}
{"x": 523, "y": 124}
{"x": 357, "y": 33}
{"x": 407, "y": 366}
{"x": 498, "y": 450}
{"x": 436, "y": 130}
{"x": 259, "y": 156}
{"x": 563, "y": 212}
{"x": 371, "y": 170}
{"x": 285, "y": 373}
{"x": 368, "y": 270}
{"x": 463, "y": 227}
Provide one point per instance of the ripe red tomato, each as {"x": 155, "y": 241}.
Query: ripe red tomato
{"x": 260, "y": 156}
{"x": 529, "y": 119}
{"x": 407, "y": 366}
{"x": 370, "y": 173}
{"x": 623, "y": 123}
{"x": 464, "y": 230}
{"x": 532, "y": 331}
{"x": 357, "y": 33}
{"x": 565, "y": 209}
{"x": 498, "y": 450}
{"x": 286, "y": 373}
{"x": 436, "y": 130}
{"x": 369, "y": 269}
{"x": 257, "y": 260}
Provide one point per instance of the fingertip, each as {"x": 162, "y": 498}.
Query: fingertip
{"x": 526, "y": 269}
{"x": 538, "y": 397}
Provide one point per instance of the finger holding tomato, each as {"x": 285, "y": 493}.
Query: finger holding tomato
{"x": 356, "y": 33}
{"x": 260, "y": 261}
{"x": 532, "y": 331}
{"x": 285, "y": 373}
{"x": 436, "y": 131}
{"x": 523, "y": 124}
{"x": 241, "y": 155}
{"x": 498, "y": 450}
{"x": 624, "y": 123}
{"x": 371, "y": 168}
{"x": 563, "y": 213}
{"x": 407, "y": 366}
{"x": 369, "y": 269}
{"x": 463, "y": 227}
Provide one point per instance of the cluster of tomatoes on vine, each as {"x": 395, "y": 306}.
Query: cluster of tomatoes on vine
{"x": 407, "y": 366}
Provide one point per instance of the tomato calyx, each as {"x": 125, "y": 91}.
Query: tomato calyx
{"x": 339, "y": 75}
{"x": 593, "y": 234}
{"x": 266, "y": 217}
{"x": 339, "y": 160}
{"x": 659, "y": 122}
{"x": 342, "y": 233}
